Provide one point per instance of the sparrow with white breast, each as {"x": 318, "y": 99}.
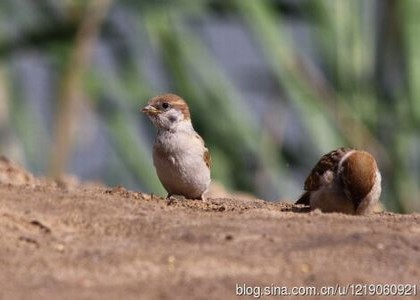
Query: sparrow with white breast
{"x": 180, "y": 156}
{"x": 344, "y": 180}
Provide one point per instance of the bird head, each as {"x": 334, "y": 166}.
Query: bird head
{"x": 167, "y": 111}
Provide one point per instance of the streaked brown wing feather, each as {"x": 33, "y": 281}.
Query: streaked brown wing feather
{"x": 327, "y": 162}
{"x": 207, "y": 158}
{"x": 206, "y": 154}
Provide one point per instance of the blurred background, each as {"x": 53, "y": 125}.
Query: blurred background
{"x": 272, "y": 86}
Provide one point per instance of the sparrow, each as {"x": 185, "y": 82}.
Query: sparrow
{"x": 180, "y": 156}
{"x": 344, "y": 180}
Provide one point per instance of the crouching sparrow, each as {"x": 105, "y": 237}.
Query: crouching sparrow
{"x": 344, "y": 180}
{"x": 181, "y": 159}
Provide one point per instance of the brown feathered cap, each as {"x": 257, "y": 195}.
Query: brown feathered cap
{"x": 163, "y": 102}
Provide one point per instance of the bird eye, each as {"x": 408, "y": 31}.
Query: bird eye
{"x": 165, "y": 105}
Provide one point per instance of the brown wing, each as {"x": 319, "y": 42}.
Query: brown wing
{"x": 207, "y": 158}
{"x": 206, "y": 154}
{"x": 328, "y": 162}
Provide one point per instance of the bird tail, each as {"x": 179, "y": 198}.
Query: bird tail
{"x": 304, "y": 199}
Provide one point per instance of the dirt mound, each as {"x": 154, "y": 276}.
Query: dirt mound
{"x": 93, "y": 242}
{"x": 13, "y": 174}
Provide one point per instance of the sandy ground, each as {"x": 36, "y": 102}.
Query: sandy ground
{"x": 78, "y": 241}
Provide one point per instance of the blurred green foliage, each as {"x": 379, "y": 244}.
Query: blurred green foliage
{"x": 73, "y": 75}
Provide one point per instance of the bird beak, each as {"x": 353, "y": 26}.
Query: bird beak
{"x": 150, "y": 110}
